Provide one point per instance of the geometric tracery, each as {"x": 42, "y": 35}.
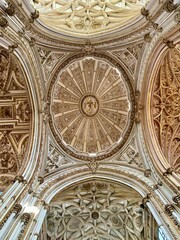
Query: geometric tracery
{"x": 87, "y": 16}
{"x": 166, "y": 107}
{"x": 96, "y": 211}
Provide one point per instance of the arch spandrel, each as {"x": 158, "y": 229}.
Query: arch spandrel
{"x": 15, "y": 118}
{"x": 165, "y": 108}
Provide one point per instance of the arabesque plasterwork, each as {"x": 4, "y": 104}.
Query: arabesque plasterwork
{"x": 15, "y": 115}
{"x": 84, "y": 17}
{"x": 96, "y": 210}
{"x": 165, "y": 107}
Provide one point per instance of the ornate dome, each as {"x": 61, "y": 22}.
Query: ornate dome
{"x": 91, "y": 108}
{"x": 87, "y": 17}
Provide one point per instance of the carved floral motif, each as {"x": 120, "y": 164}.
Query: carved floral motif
{"x": 14, "y": 118}
{"x": 166, "y": 107}
{"x": 55, "y": 159}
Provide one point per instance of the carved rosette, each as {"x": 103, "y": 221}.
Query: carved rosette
{"x": 165, "y": 107}
{"x": 14, "y": 117}
{"x": 96, "y": 210}
{"x": 91, "y": 108}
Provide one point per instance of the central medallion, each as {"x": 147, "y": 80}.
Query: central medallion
{"x": 91, "y": 108}
{"x": 89, "y": 105}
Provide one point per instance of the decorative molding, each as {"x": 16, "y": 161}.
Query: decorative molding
{"x": 129, "y": 89}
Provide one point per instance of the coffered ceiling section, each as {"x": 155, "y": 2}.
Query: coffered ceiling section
{"x": 96, "y": 211}
{"x": 165, "y": 109}
{"x": 87, "y": 17}
{"x": 15, "y": 115}
{"x": 91, "y": 108}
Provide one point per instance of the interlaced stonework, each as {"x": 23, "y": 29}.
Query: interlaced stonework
{"x": 166, "y": 107}
{"x": 96, "y": 211}
{"x": 91, "y": 107}
{"x": 87, "y": 16}
{"x": 14, "y": 117}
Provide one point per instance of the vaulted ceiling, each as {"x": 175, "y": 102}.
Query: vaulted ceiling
{"x": 89, "y": 112}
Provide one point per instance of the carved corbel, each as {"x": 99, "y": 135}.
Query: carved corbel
{"x": 169, "y": 6}
{"x": 10, "y": 9}
{"x": 45, "y": 205}
{"x": 25, "y": 218}
{"x": 34, "y": 16}
{"x": 17, "y": 208}
{"x": 20, "y": 179}
{"x": 176, "y": 199}
{"x": 145, "y": 13}
{"x": 156, "y": 186}
{"x": 147, "y": 172}
{"x": 169, "y": 44}
{"x": 169, "y": 209}
{"x": 32, "y": 42}
{"x": 147, "y": 37}
{"x": 12, "y": 47}
{"x": 156, "y": 27}
{"x": 168, "y": 171}
{"x": 145, "y": 200}
{"x": 3, "y": 21}
{"x": 40, "y": 179}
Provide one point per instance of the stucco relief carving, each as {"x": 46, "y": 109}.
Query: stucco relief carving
{"x": 165, "y": 104}
{"x": 55, "y": 159}
{"x": 96, "y": 210}
{"x": 129, "y": 56}
{"x": 49, "y": 59}
{"x": 130, "y": 155}
{"x": 91, "y": 107}
{"x": 14, "y": 117}
{"x": 87, "y": 16}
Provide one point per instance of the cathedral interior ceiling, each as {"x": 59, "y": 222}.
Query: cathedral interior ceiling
{"x": 90, "y": 111}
